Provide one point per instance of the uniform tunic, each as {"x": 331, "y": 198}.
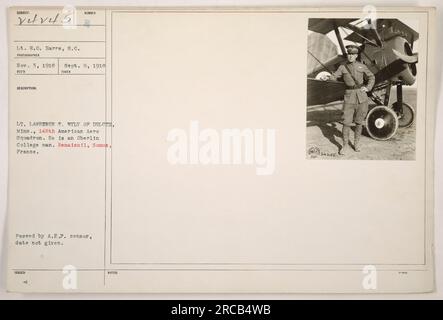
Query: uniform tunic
{"x": 355, "y": 105}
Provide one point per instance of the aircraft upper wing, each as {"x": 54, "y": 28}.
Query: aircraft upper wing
{"x": 387, "y": 28}
{"x": 324, "y": 26}
{"x": 361, "y": 36}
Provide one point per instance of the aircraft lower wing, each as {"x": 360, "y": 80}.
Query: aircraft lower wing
{"x": 322, "y": 92}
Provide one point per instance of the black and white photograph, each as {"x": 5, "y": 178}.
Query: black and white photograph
{"x": 362, "y": 89}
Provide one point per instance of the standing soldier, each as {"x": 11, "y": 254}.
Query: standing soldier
{"x": 355, "y": 105}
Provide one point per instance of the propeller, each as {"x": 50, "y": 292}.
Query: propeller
{"x": 411, "y": 59}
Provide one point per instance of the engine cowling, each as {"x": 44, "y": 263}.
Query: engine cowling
{"x": 396, "y": 48}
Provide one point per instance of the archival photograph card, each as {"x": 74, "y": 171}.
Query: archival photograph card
{"x": 221, "y": 150}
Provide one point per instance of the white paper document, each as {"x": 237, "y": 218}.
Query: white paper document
{"x": 221, "y": 149}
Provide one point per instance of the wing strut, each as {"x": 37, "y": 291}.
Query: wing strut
{"x": 327, "y": 69}
{"x": 340, "y": 40}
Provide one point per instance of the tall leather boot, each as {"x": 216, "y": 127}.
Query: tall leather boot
{"x": 345, "y": 147}
{"x": 357, "y": 136}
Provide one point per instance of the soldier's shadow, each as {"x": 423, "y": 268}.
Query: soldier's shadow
{"x": 327, "y": 121}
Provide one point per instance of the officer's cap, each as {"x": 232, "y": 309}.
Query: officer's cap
{"x": 352, "y": 49}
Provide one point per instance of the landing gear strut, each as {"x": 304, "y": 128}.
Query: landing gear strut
{"x": 404, "y": 111}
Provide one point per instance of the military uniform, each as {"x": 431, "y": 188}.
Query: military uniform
{"x": 355, "y": 106}
{"x": 355, "y": 99}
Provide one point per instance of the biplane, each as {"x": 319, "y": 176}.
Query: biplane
{"x": 386, "y": 48}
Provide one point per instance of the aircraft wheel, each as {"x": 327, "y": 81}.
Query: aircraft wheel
{"x": 405, "y": 114}
{"x": 381, "y": 123}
